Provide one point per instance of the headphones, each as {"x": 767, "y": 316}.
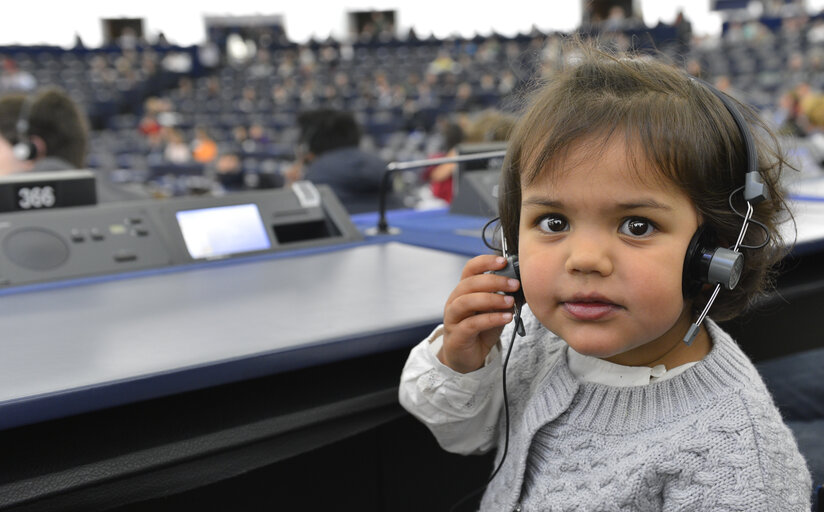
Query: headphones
{"x": 705, "y": 262}
{"x": 24, "y": 149}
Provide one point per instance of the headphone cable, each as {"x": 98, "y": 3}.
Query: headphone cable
{"x": 749, "y": 220}
{"x": 517, "y": 327}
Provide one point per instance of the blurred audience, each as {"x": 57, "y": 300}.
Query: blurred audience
{"x": 176, "y": 149}
{"x": 249, "y": 103}
{"x": 204, "y": 148}
{"x": 12, "y": 78}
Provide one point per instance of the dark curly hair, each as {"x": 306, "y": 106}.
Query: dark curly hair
{"x": 675, "y": 123}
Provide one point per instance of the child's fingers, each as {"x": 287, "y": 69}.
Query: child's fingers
{"x": 483, "y": 283}
{"x": 481, "y": 264}
{"x": 470, "y": 329}
{"x": 474, "y": 304}
{"x": 467, "y": 344}
{"x": 475, "y": 313}
{"x": 476, "y": 277}
{"x": 472, "y": 325}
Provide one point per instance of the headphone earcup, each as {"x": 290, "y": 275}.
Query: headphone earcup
{"x": 24, "y": 151}
{"x": 697, "y": 251}
{"x": 706, "y": 263}
{"x": 513, "y": 271}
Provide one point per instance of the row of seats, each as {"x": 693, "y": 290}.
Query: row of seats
{"x": 396, "y": 89}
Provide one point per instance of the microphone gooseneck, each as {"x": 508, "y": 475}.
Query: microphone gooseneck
{"x": 382, "y": 227}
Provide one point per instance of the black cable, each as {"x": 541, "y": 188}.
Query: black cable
{"x": 518, "y": 326}
{"x": 759, "y": 224}
{"x": 483, "y": 234}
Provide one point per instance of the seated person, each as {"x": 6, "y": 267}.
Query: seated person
{"x": 440, "y": 176}
{"x": 47, "y": 131}
{"x": 486, "y": 126}
{"x": 329, "y": 155}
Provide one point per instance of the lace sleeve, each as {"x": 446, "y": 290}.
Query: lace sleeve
{"x": 461, "y": 410}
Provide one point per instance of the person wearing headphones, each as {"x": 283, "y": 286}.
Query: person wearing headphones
{"x": 45, "y": 131}
{"x": 48, "y": 131}
{"x": 624, "y": 204}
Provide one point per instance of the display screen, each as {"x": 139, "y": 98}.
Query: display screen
{"x": 223, "y": 230}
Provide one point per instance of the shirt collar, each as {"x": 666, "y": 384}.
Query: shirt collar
{"x": 598, "y": 371}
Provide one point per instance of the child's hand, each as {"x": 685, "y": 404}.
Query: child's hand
{"x": 475, "y": 314}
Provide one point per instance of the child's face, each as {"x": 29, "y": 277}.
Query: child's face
{"x": 601, "y": 255}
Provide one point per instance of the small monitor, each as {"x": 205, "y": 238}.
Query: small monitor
{"x": 220, "y": 231}
{"x": 30, "y": 191}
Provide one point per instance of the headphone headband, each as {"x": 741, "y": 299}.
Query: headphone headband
{"x": 23, "y": 148}
{"x": 755, "y": 190}
{"x": 721, "y": 266}
{"x": 22, "y": 124}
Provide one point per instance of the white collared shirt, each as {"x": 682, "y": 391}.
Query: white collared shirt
{"x": 598, "y": 371}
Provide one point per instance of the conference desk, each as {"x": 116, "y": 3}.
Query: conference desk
{"x": 282, "y": 350}
{"x": 126, "y": 388}
{"x": 97, "y": 343}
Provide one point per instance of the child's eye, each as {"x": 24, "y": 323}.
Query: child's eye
{"x": 553, "y": 224}
{"x": 637, "y": 227}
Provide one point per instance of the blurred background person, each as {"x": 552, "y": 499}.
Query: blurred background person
{"x": 329, "y": 154}
{"x": 48, "y": 131}
{"x": 440, "y": 176}
{"x": 51, "y": 128}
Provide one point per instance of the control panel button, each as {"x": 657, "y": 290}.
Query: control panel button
{"x": 117, "y": 229}
{"x": 123, "y": 256}
{"x": 77, "y": 236}
{"x": 140, "y": 232}
{"x": 96, "y": 234}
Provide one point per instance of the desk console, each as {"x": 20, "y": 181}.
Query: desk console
{"x": 50, "y": 245}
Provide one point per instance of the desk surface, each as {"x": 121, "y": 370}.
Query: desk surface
{"x": 90, "y": 346}
{"x": 434, "y": 229}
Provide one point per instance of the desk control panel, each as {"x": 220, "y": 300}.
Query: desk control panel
{"x": 58, "y": 244}
{"x": 50, "y": 245}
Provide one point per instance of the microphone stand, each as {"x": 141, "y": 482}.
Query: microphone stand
{"x": 383, "y": 226}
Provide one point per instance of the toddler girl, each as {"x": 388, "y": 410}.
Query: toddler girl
{"x": 621, "y": 180}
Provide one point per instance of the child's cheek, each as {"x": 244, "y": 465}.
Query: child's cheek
{"x": 539, "y": 277}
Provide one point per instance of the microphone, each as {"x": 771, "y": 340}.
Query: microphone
{"x": 383, "y": 226}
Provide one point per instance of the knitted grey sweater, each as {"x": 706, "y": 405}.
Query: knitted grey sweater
{"x": 709, "y": 439}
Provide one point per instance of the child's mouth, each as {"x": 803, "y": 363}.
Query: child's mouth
{"x": 589, "y": 310}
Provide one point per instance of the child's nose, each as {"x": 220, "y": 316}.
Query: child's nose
{"x": 589, "y": 253}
